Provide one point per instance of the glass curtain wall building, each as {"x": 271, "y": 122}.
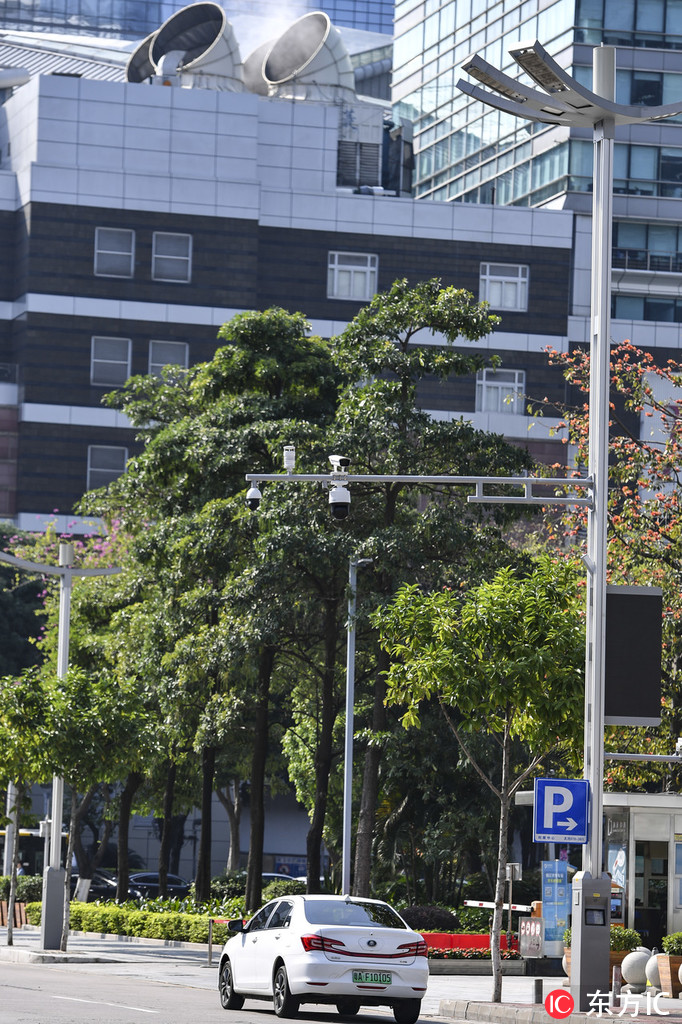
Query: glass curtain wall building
{"x": 466, "y": 151}
{"x": 133, "y": 19}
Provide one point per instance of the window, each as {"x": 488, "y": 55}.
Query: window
{"x": 504, "y": 286}
{"x": 257, "y": 923}
{"x": 171, "y": 257}
{"x": 352, "y": 275}
{"x": 166, "y": 353}
{"x": 282, "y": 915}
{"x": 114, "y": 252}
{"x": 109, "y": 361}
{"x": 105, "y": 464}
{"x": 500, "y": 390}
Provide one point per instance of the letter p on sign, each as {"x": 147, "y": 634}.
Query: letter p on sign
{"x": 557, "y": 800}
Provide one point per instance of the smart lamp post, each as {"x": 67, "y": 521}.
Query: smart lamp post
{"x": 338, "y": 482}
{"x": 350, "y": 712}
{"x": 564, "y": 101}
{"x": 54, "y": 874}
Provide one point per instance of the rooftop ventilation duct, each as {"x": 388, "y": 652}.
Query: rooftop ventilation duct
{"x": 202, "y": 40}
{"x": 253, "y": 69}
{"x": 309, "y": 61}
{"x": 139, "y": 67}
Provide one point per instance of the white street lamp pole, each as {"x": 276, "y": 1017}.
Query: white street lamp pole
{"x": 350, "y": 711}
{"x": 52, "y": 916}
{"x": 604, "y": 85}
{"x": 564, "y": 101}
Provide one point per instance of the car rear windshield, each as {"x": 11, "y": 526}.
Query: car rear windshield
{"x": 352, "y": 912}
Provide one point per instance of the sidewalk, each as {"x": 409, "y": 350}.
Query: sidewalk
{"x": 453, "y": 997}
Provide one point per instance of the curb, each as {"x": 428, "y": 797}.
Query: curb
{"x": 17, "y": 954}
{"x": 502, "y": 1013}
{"x": 45, "y": 956}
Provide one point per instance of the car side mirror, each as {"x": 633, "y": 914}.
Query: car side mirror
{"x": 235, "y": 926}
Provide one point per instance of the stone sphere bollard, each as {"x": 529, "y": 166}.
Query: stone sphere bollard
{"x": 633, "y": 969}
{"x": 652, "y": 973}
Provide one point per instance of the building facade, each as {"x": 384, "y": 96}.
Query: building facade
{"x": 134, "y": 19}
{"x": 135, "y": 220}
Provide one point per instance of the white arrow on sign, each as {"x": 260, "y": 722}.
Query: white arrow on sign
{"x": 569, "y": 823}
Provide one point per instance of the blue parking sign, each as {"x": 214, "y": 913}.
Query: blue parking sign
{"x": 561, "y": 810}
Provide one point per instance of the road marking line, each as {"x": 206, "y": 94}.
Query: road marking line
{"x": 97, "y": 1002}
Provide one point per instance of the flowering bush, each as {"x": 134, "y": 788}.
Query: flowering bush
{"x": 467, "y": 953}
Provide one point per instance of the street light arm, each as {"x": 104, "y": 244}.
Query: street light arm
{"x": 53, "y": 570}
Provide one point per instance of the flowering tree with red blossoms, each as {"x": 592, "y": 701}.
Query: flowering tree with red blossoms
{"x": 645, "y": 521}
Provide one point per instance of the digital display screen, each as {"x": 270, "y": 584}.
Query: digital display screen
{"x": 595, "y": 917}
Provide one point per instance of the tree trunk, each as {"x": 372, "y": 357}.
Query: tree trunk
{"x": 164, "y": 847}
{"x": 18, "y": 790}
{"x": 370, "y": 786}
{"x": 83, "y": 862}
{"x": 496, "y": 933}
{"x": 133, "y": 783}
{"x": 67, "y": 874}
{"x": 323, "y": 751}
{"x": 203, "y": 879}
{"x": 233, "y": 809}
{"x": 254, "y": 868}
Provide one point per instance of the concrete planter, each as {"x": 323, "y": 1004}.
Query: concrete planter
{"x": 472, "y": 967}
{"x": 668, "y": 970}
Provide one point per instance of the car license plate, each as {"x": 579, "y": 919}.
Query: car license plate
{"x": 372, "y": 977}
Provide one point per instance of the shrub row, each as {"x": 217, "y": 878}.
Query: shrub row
{"x": 29, "y": 888}
{"x": 466, "y": 953}
{"x": 117, "y": 919}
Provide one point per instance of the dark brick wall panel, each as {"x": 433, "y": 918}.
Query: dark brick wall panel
{"x": 58, "y": 349}
{"x": 53, "y": 463}
{"x": 294, "y": 264}
{"x": 542, "y": 382}
{"x": 223, "y": 261}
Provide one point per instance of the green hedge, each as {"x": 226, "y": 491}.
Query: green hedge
{"x": 113, "y": 919}
{"x": 29, "y": 887}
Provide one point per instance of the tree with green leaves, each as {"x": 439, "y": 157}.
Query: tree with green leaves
{"x": 202, "y": 431}
{"x": 505, "y": 659}
{"x": 253, "y": 607}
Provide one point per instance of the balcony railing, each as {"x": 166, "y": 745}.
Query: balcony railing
{"x": 645, "y": 259}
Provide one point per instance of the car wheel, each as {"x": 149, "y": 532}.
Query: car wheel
{"x": 229, "y": 1000}
{"x": 285, "y": 1004}
{"x": 407, "y": 1011}
{"x": 348, "y": 1007}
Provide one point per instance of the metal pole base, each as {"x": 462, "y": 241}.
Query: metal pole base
{"x": 52, "y": 916}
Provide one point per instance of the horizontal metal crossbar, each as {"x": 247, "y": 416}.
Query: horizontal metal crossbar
{"x": 666, "y": 758}
{"x": 527, "y": 483}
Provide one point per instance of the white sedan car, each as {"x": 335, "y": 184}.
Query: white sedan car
{"x": 348, "y": 951}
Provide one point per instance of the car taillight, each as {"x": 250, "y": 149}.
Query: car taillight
{"x": 315, "y": 943}
{"x": 415, "y": 948}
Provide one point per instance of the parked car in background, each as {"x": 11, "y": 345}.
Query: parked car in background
{"x": 147, "y": 884}
{"x": 103, "y": 886}
{"x": 349, "y": 952}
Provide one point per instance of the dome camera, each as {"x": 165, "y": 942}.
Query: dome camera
{"x": 339, "y": 501}
{"x": 253, "y": 497}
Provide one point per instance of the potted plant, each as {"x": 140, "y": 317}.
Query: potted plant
{"x": 621, "y": 942}
{"x": 669, "y": 963}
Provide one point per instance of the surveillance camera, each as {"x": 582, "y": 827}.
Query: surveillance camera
{"x": 339, "y": 501}
{"x": 339, "y": 462}
{"x": 253, "y": 497}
